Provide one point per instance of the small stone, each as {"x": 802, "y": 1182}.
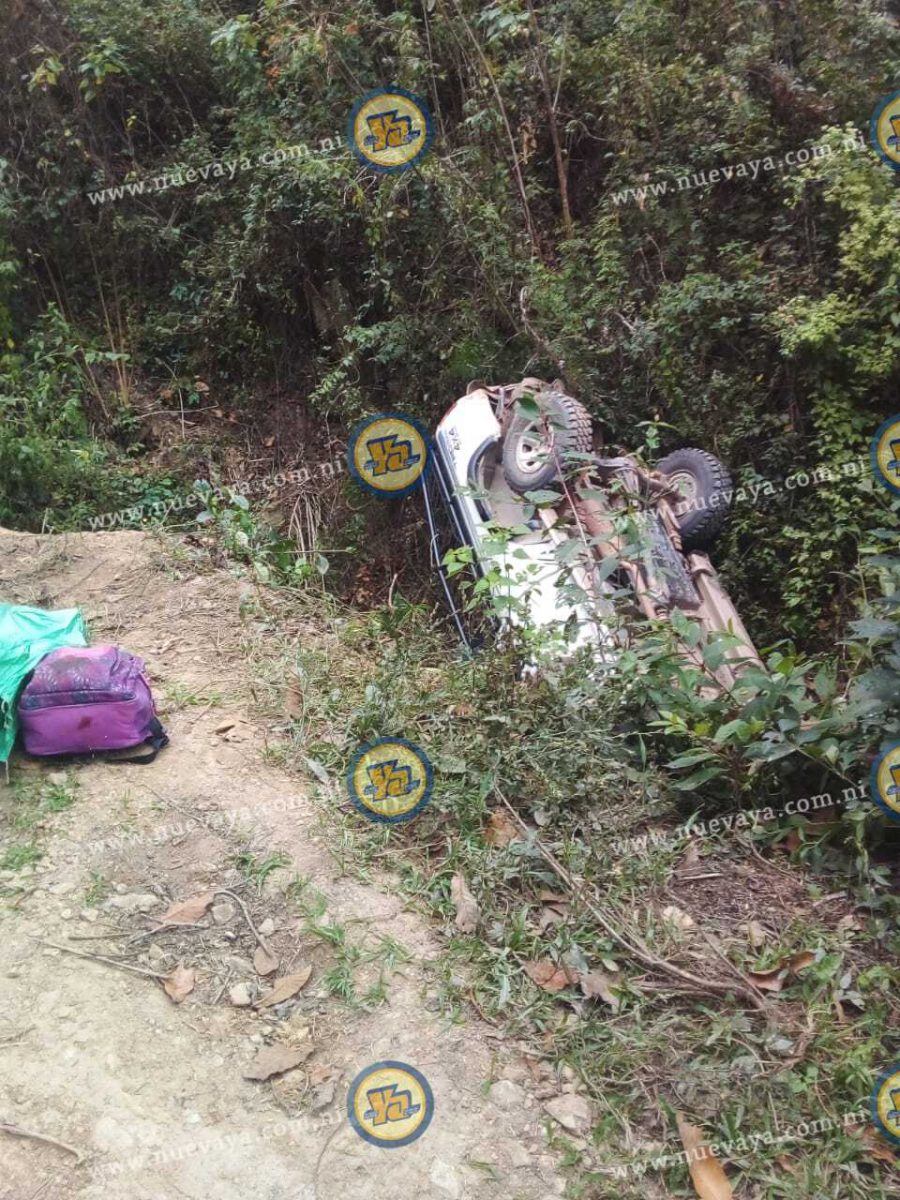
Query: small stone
{"x": 156, "y": 954}
{"x": 507, "y": 1095}
{"x": 58, "y": 778}
{"x": 241, "y": 995}
{"x": 571, "y": 1111}
{"x": 134, "y": 902}
{"x": 267, "y": 928}
{"x": 223, "y": 913}
{"x": 67, "y": 914}
{"x": 432, "y": 1002}
{"x": 121, "y": 888}
{"x": 446, "y": 1179}
{"x": 89, "y": 914}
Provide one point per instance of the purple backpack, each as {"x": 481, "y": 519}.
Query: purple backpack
{"x": 82, "y": 699}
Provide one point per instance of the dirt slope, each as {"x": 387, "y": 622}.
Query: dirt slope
{"x": 152, "y": 1093}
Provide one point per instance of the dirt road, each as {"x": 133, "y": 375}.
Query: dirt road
{"x": 149, "y": 1092}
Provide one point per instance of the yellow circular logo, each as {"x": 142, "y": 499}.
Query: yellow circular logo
{"x": 885, "y": 452}
{"x": 390, "y": 780}
{"x": 884, "y": 131}
{"x": 389, "y": 454}
{"x": 886, "y": 1104}
{"x": 390, "y": 1104}
{"x": 886, "y": 781}
{"x": 390, "y": 131}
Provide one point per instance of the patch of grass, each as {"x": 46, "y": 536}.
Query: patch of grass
{"x": 349, "y": 955}
{"x": 14, "y": 858}
{"x": 575, "y": 766}
{"x": 257, "y": 870}
{"x": 35, "y": 799}
{"x": 178, "y": 695}
{"x": 97, "y": 889}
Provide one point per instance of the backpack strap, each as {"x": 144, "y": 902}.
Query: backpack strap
{"x": 158, "y": 739}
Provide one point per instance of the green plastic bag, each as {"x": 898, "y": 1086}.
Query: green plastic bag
{"x": 26, "y": 635}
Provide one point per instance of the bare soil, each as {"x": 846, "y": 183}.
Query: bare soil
{"x": 150, "y": 1093}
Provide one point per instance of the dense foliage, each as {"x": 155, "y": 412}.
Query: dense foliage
{"x": 757, "y": 315}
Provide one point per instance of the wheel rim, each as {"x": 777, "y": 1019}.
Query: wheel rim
{"x": 532, "y": 449}
{"x": 686, "y": 485}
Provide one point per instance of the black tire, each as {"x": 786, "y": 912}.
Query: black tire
{"x": 530, "y": 461}
{"x": 706, "y": 484}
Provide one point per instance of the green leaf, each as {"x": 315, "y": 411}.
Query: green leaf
{"x": 697, "y": 779}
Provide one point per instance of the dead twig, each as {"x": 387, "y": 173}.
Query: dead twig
{"x": 632, "y": 943}
{"x": 111, "y": 962}
{"x": 181, "y": 925}
{"x": 243, "y": 907}
{"x": 18, "y": 1131}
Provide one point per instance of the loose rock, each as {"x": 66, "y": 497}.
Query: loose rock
{"x": 241, "y": 995}
{"x": 571, "y": 1111}
{"x": 507, "y": 1095}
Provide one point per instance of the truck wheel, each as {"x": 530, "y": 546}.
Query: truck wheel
{"x": 535, "y": 447}
{"x": 705, "y": 487}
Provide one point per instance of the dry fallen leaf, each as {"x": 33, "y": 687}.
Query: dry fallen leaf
{"x": 501, "y": 830}
{"x": 275, "y": 1060}
{"x": 706, "y": 1171}
{"x": 550, "y": 916}
{"x": 263, "y": 962}
{"x": 680, "y": 919}
{"x": 768, "y": 981}
{"x": 775, "y": 978}
{"x": 799, "y": 962}
{"x": 188, "y": 912}
{"x": 690, "y": 859}
{"x": 756, "y": 935}
{"x": 596, "y": 986}
{"x": 876, "y": 1147}
{"x": 293, "y": 700}
{"x": 179, "y": 983}
{"x": 467, "y": 911}
{"x": 284, "y": 988}
{"x": 548, "y": 975}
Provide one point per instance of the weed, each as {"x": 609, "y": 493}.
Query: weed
{"x": 25, "y": 854}
{"x": 257, "y": 870}
{"x": 97, "y": 889}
